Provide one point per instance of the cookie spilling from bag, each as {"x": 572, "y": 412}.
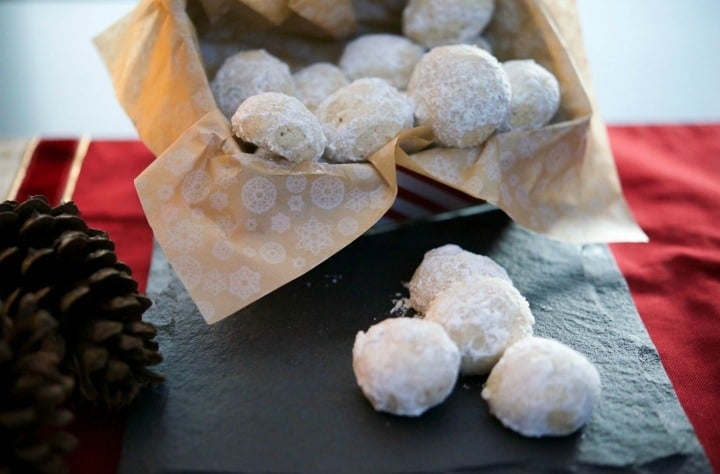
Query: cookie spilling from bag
{"x": 438, "y": 71}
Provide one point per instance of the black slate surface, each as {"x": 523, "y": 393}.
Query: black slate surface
{"x": 272, "y": 389}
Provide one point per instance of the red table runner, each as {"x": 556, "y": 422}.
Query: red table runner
{"x": 671, "y": 179}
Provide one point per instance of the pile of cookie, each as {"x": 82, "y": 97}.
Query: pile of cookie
{"x": 471, "y": 320}
{"x": 440, "y": 73}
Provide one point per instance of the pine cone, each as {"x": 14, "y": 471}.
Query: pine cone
{"x": 34, "y": 391}
{"x": 76, "y": 277}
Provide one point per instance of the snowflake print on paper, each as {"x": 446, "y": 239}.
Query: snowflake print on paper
{"x": 223, "y": 250}
{"x": 557, "y": 158}
{"x": 299, "y": 262}
{"x": 475, "y": 184}
{"x": 327, "y": 192}
{"x": 251, "y": 224}
{"x": 492, "y": 170}
{"x": 226, "y": 176}
{"x": 164, "y": 192}
{"x": 314, "y": 236}
{"x": 244, "y": 282}
{"x": 280, "y": 223}
{"x": 296, "y": 203}
{"x": 214, "y": 282}
{"x": 507, "y": 159}
{"x": 527, "y": 147}
{"x": 180, "y": 162}
{"x": 272, "y": 252}
{"x": 197, "y": 213}
{"x": 218, "y": 200}
{"x": 357, "y": 200}
{"x": 196, "y": 186}
{"x": 347, "y": 226}
{"x": 295, "y": 183}
{"x": 206, "y": 308}
{"x": 183, "y": 236}
{"x": 226, "y": 224}
{"x": 169, "y": 213}
{"x": 380, "y": 197}
{"x": 258, "y": 194}
{"x": 523, "y": 197}
{"x": 189, "y": 269}
{"x": 444, "y": 169}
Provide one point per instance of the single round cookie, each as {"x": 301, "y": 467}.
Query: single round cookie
{"x": 483, "y": 316}
{"x": 461, "y": 92}
{"x": 405, "y": 366}
{"x": 281, "y": 124}
{"x": 360, "y": 118}
{"x": 317, "y": 81}
{"x": 535, "y": 95}
{"x": 432, "y": 23}
{"x": 444, "y": 266}
{"x": 248, "y": 73}
{"x": 541, "y": 387}
{"x": 389, "y": 57}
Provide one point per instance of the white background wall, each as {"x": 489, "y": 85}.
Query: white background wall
{"x": 653, "y": 61}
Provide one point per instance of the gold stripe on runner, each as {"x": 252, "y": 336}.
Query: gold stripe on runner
{"x": 74, "y": 173}
{"x": 22, "y": 168}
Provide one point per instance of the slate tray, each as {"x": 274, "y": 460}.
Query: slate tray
{"x": 272, "y": 389}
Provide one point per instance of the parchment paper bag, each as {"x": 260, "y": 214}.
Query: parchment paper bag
{"x": 236, "y": 226}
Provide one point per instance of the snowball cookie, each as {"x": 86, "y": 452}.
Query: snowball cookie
{"x": 435, "y": 23}
{"x": 461, "y": 92}
{"x": 405, "y": 365}
{"x": 281, "y": 124}
{"x": 535, "y": 95}
{"x": 541, "y": 387}
{"x": 483, "y": 316}
{"x": 360, "y": 118}
{"x": 444, "y": 266}
{"x": 389, "y": 57}
{"x": 317, "y": 81}
{"x": 248, "y": 73}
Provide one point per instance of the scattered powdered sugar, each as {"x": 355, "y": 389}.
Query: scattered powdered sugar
{"x": 401, "y": 306}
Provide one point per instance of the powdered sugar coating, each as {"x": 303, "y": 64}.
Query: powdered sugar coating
{"x": 387, "y": 56}
{"x": 436, "y": 23}
{"x": 248, "y": 73}
{"x": 483, "y": 316}
{"x": 535, "y": 95}
{"x": 317, "y": 81}
{"x": 444, "y": 266}
{"x": 281, "y": 124}
{"x": 360, "y": 118}
{"x": 461, "y": 92}
{"x": 541, "y": 387}
{"x": 405, "y": 366}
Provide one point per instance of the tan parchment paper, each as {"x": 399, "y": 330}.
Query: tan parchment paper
{"x": 235, "y": 225}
